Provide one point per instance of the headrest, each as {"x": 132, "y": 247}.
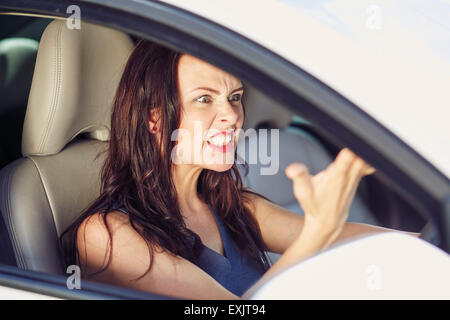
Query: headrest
{"x": 75, "y": 78}
{"x": 261, "y": 109}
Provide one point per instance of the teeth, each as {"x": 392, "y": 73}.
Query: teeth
{"x": 220, "y": 140}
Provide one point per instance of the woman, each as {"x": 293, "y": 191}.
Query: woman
{"x": 171, "y": 222}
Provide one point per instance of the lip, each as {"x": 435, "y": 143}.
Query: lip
{"x": 224, "y": 132}
{"x": 225, "y": 148}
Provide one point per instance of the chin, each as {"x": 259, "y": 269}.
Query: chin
{"x": 219, "y": 167}
{"x": 219, "y": 162}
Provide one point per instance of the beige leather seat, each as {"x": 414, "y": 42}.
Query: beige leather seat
{"x": 66, "y": 126}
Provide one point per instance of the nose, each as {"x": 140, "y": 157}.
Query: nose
{"x": 229, "y": 114}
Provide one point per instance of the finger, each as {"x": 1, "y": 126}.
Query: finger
{"x": 369, "y": 170}
{"x": 349, "y": 168}
{"x": 356, "y": 172}
{"x": 301, "y": 179}
{"x": 344, "y": 159}
{"x": 357, "y": 167}
{"x": 348, "y": 195}
{"x": 348, "y": 161}
{"x": 295, "y": 169}
{"x": 361, "y": 167}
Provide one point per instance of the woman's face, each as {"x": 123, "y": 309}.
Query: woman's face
{"x": 212, "y": 113}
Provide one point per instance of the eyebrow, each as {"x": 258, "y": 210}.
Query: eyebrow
{"x": 215, "y": 91}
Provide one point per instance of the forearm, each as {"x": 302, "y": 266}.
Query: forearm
{"x": 354, "y": 229}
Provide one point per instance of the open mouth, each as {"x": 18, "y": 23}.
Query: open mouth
{"x": 222, "y": 141}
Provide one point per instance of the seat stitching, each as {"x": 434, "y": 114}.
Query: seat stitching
{"x": 57, "y": 82}
{"x": 8, "y": 220}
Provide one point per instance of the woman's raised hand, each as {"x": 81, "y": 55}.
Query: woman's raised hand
{"x": 326, "y": 197}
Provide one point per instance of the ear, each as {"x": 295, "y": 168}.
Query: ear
{"x": 154, "y": 123}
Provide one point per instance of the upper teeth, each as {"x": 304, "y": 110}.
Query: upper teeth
{"x": 220, "y": 139}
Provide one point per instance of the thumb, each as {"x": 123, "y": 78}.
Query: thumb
{"x": 301, "y": 179}
{"x": 369, "y": 170}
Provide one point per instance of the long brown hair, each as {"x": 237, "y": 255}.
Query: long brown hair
{"x": 137, "y": 170}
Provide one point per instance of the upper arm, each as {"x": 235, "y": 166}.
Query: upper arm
{"x": 170, "y": 275}
{"x": 279, "y": 227}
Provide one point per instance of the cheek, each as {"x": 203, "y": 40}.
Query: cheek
{"x": 193, "y": 129}
{"x": 240, "y": 119}
{"x": 195, "y": 121}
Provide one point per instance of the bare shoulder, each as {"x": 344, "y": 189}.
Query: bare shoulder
{"x": 98, "y": 228}
{"x": 129, "y": 265}
{"x": 101, "y": 235}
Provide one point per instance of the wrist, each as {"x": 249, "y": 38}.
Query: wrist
{"x": 320, "y": 227}
{"x": 320, "y": 231}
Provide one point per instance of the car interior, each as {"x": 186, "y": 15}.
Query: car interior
{"x": 57, "y": 87}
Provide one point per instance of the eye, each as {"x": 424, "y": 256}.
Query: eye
{"x": 204, "y": 99}
{"x": 235, "y": 97}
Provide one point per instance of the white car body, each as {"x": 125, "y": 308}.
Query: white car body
{"x": 382, "y": 266}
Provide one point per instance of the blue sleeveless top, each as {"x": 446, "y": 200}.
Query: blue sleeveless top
{"x": 235, "y": 270}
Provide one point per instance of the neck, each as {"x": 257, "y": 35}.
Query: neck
{"x": 185, "y": 178}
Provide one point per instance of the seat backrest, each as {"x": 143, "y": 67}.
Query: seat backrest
{"x": 291, "y": 145}
{"x": 76, "y": 74}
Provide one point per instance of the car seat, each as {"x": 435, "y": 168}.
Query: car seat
{"x": 66, "y": 126}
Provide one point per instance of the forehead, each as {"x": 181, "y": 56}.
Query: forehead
{"x": 194, "y": 72}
